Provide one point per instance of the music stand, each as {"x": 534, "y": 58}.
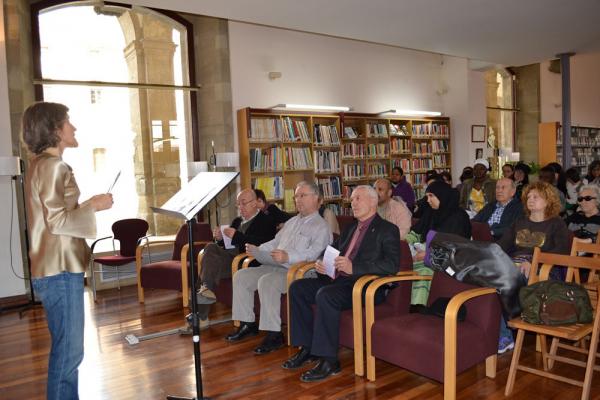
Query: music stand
{"x": 185, "y": 204}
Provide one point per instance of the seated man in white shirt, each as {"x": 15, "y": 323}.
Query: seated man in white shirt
{"x": 302, "y": 238}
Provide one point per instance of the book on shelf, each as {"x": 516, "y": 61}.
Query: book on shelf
{"x": 272, "y": 186}
{"x": 330, "y": 187}
{"x": 376, "y": 130}
{"x": 288, "y": 201}
{"x": 350, "y": 132}
{"x": 295, "y": 130}
{"x": 398, "y": 130}
{"x": 354, "y": 150}
{"x": 327, "y": 161}
{"x": 266, "y": 129}
{"x": 326, "y": 135}
{"x": 298, "y": 158}
{"x": 265, "y": 160}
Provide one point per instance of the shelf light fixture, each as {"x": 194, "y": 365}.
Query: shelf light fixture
{"x": 413, "y": 113}
{"x": 311, "y": 107}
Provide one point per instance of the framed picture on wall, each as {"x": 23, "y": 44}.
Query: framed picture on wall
{"x": 478, "y": 153}
{"x": 478, "y": 133}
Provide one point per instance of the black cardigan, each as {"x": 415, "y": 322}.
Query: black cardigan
{"x": 512, "y": 212}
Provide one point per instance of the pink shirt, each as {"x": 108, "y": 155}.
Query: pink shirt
{"x": 398, "y": 214}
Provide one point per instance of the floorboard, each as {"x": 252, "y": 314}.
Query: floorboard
{"x": 113, "y": 369}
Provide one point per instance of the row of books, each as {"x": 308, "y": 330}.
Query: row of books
{"x": 402, "y": 163}
{"x": 265, "y": 160}
{"x": 422, "y": 163}
{"x": 335, "y": 207}
{"x": 326, "y": 135}
{"x": 376, "y": 130}
{"x": 354, "y": 171}
{"x": 350, "y": 132}
{"x": 398, "y": 130}
{"x": 378, "y": 170}
{"x": 327, "y": 161}
{"x": 354, "y": 150}
{"x": 430, "y": 129}
{"x": 272, "y": 186}
{"x": 295, "y": 130}
{"x": 439, "y": 160}
{"x": 400, "y": 145}
{"x": 298, "y": 158}
{"x": 421, "y": 148}
{"x": 330, "y": 187}
{"x": 378, "y": 150}
{"x": 265, "y": 129}
{"x": 440, "y": 146}
{"x": 347, "y": 191}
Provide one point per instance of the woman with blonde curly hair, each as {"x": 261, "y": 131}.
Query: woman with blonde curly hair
{"x": 541, "y": 227}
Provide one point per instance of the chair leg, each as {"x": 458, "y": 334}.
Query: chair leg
{"x": 591, "y": 362}
{"x": 491, "y": 366}
{"x": 553, "y": 349}
{"x": 512, "y": 372}
{"x": 544, "y": 351}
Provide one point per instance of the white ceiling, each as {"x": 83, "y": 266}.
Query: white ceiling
{"x": 509, "y": 32}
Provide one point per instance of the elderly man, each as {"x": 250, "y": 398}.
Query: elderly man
{"x": 391, "y": 210}
{"x": 475, "y": 193}
{"x": 370, "y": 245}
{"x": 251, "y": 227}
{"x": 302, "y": 238}
{"x": 499, "y": 215}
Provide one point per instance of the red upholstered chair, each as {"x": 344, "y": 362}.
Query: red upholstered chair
{"x": 438, "y": 348}
{"x": 351, "y": 325}
{"x": 480, "y": 231}
{"x": 171, "y": 274}
{"x": 128, "y": 232}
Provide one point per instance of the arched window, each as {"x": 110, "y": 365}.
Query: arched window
{"x": 119, "y": 70}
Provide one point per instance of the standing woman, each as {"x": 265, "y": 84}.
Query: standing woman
{"x": 59, "y": 253}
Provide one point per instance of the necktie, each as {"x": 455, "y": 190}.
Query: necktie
{"x": 350, "y": 248}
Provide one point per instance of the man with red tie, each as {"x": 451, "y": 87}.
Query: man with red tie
{"x": 370, "y": 245}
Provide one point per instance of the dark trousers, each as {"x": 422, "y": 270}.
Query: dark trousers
{"x": 320, "y": 330}
{"x": 216, "y": 264}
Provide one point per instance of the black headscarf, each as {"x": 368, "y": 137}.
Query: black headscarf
{"x": 437, "y": 219}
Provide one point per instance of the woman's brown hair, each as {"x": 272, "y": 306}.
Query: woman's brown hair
{"x": 41, "y": 121}
{"x": 548, "y": 193}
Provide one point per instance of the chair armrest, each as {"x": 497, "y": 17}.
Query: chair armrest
{"x": 96, "y": 241}
{"x": 357, "y": 321}
{"x": 247, "y": 261}
{"x": 185, "y": 248}
{"x": 235, "y": 264}
{"x": 370, "y": 311}
{"x": 450, "y": 324}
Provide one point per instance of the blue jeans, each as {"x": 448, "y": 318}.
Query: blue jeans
{"x": 505, "y": 330}
{"x": 62, "y": 297}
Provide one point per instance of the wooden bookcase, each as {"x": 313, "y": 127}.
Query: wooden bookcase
{"x": 585, "y": 145}
{"x": 338, "y": 150}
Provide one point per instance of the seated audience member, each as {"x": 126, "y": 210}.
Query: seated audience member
{"x": 302, "y": 238}
{"x": 444, "y": 214}
{"x": 540, "y": 227}
{"x": 501, "y": 214}
{"x": 446, "y": 177}
{"x": 574, "y": 183}
{"x": 467, "y": 173}
{"x": 252, "y": 226}
{"x": 560, "y": 178}
{"x": 422, "y": 205}
{"x": 593, "y": 174}
{"x": 391, "y": 210}
{"x": 585, "y": 223}
{"x": 508, "y": 171}
{"x": 401, "y": 188}
{"x": 278, "y": 216}
{"x": 521, "y": 177}
{"x": 369, "y": 246}
{"x": 548, "y": 175}
{"x": 479, "y": 191}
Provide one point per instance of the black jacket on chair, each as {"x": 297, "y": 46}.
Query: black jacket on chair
{"x": 512, "y": 212}
{"x": 261, "y": 230}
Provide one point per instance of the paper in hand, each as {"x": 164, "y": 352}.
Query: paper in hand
{"x": 328, "y": 260}
{"x": 114, "y": 182}
{"x": 226, "y": 239}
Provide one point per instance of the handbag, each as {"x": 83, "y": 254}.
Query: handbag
{"x": 555, "y": 303}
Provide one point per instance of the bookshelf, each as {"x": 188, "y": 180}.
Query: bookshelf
{"x": 585, "y": 145}
{"x": 337, "y": 150}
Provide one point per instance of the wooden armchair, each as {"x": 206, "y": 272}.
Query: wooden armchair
{"x": 429, "y": 347}
{"x": 171, "y": 274}
{"x": 541, "y": 265}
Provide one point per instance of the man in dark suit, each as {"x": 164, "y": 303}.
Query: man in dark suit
{"x": 501, "y": 214}
{"x": 252, "y": 227}
{"x": 370, "y": 245}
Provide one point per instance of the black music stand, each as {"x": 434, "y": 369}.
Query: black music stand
{"x": 185, "y": 204}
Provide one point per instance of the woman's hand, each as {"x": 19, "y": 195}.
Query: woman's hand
{"x": 525, "y": 268}
{"x": 420, "y": 256}
{"x": 101, "y": 202}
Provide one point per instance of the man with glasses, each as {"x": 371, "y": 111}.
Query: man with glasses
{"x": 501, "y": 214}
{"x": 251, "y": 227}
{"x": 302, "y": 238}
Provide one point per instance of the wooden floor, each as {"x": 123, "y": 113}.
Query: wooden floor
{"x": 113, "y": 369}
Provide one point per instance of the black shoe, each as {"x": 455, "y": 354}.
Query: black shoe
{"x": 246, "y": 329}
{"x": 273, "y": 341}
{"x": 321, "y": 371}
{"x": 299, "y": 359}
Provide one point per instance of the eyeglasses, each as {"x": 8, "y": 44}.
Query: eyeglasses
{"x": 244, "y": 203}
{"x": 586, "y": 198}
{"x": 302, "y": 195}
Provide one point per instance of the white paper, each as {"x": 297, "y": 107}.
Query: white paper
{"x": 328, "y": 259}
{"x": 226, "y": 239}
